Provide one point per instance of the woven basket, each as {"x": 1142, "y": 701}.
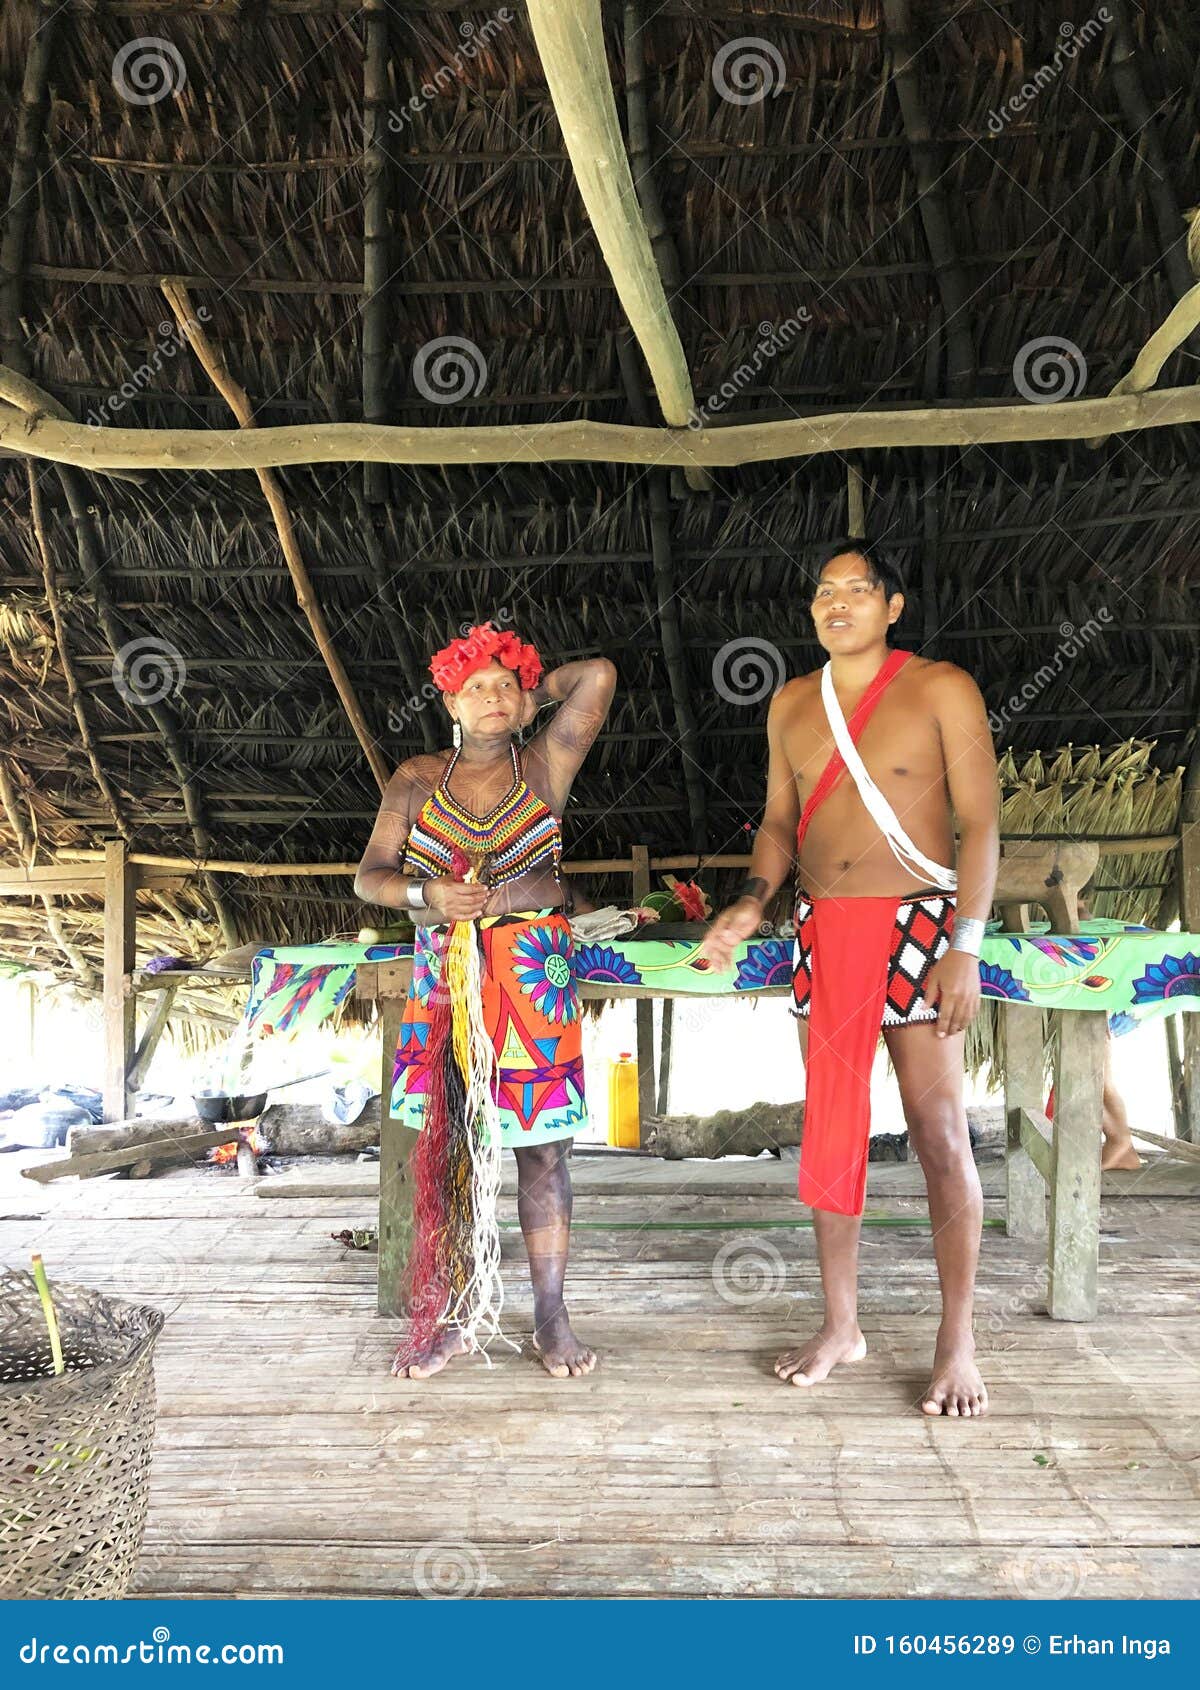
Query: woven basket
{"x": 74, "y": 1449}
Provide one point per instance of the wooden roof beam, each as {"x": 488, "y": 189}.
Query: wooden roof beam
{"x": 570, "y": 40}
{"x": 595, "y": 442}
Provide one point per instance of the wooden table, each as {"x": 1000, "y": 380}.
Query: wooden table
{"x": 1059, "y": 1161}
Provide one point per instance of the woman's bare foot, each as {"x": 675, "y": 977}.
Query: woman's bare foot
{"x": 563, "y": 1355}
{"x": 955, "y": 1388}
{"x": 817, "y": 1359}
{"x": 448, "y": 1344}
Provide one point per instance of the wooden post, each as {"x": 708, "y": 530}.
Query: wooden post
{"x": 666, "y": 1028}
{"x": 644, "y": 1012}
{"x": 396, "y": 1145}
{"x": 1075, "y": 1166}
{"x": 120, "y": 1005}
{"x": 1189, "y": 920}
{"x": 1021, "y": 1025}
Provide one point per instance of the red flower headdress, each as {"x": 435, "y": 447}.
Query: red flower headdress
{"x": 451, "y": 666}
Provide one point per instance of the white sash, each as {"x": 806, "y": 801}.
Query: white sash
{"x": 880, "y": 811}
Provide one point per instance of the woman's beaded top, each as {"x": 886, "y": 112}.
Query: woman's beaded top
{"x": 520, "y": 834}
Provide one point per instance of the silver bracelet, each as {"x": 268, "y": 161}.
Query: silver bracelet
{"x": 968, "y": 934}
{"x": 414, "y": 895}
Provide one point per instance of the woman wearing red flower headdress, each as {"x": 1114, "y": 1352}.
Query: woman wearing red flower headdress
{"x": 490, "y": 1051}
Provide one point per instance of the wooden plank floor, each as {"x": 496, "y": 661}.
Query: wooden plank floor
{"x": 289, "y": 1463}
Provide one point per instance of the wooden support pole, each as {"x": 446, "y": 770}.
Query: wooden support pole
{"x": 235, "y": 397}
{"x": 644, "y": 1010}
{"x": 1024, "y": 1068}
{"x": 1189, "y": 921}
{"x": 396, "y": 1145}
{"x": 120, "y": 1005}
{"x": 1072, "y": 1281}
{"x": 665, "y": 1041}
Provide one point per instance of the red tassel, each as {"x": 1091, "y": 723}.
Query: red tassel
{"x": 426, "y": 1278}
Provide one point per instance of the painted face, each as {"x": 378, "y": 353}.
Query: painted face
{"x": 488, "y": 702}
{"x": 849, "y": 609}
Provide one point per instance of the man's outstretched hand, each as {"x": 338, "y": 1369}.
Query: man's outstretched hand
{"x": 737, "y": 922}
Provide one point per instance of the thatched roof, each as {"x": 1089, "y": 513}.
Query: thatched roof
{"x": 1055, "y": 182}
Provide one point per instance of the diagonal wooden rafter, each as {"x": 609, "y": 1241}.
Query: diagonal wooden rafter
{"x": 1170, "y": 335}
{"x": 235, "y": 397}
{"x": 570, "y": 40}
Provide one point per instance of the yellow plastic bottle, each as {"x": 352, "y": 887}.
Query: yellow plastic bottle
{"x": 624, "y": 1127}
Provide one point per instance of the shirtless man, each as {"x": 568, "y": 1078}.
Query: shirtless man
{"x": 928, "y": 749}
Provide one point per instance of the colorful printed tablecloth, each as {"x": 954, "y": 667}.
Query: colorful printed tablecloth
{"x": 1131, "y": 973}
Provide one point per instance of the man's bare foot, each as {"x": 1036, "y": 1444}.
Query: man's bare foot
{"x": 1119, "y": 1153}
{"x": 817, "y": 1359}
{"x": 956, "y": 1388}
{"x": 563, "y": 1355}
{"x": 448, "y": 1344}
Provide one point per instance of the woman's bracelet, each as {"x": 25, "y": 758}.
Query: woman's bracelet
{"x": 414, "y": 896}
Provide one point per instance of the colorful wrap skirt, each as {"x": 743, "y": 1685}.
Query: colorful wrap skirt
{"x": 531, "y": 1013}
